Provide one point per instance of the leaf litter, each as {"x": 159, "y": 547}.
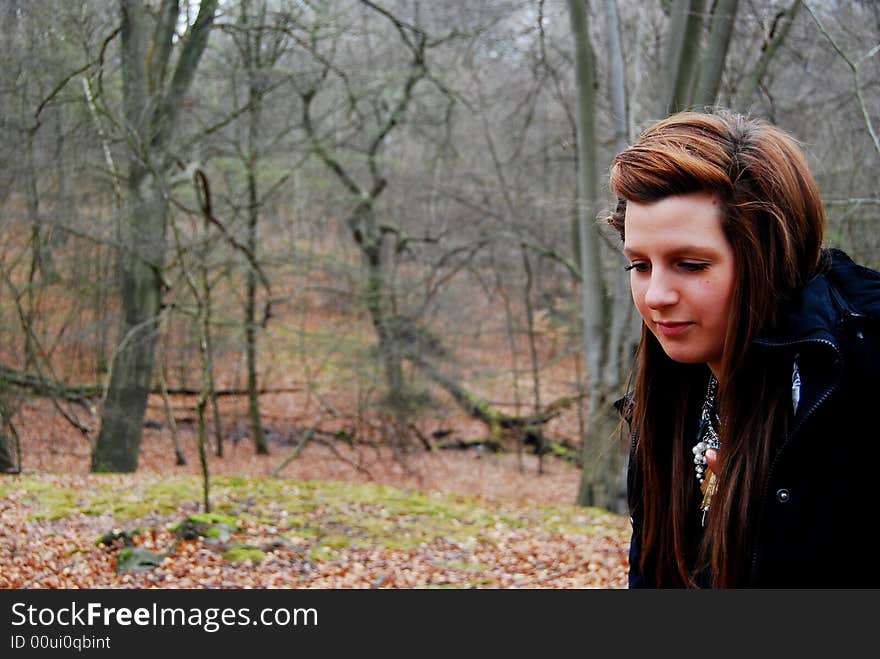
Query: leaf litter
{"x": 442, "y": 519}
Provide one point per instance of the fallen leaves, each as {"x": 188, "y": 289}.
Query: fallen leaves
{"x": 329, "y": 536}
{"x": 444, "y": 519}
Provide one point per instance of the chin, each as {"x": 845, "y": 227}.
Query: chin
{"x": 684, "y": 356}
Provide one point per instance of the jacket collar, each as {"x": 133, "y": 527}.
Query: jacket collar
{"x": 842, "y": 292}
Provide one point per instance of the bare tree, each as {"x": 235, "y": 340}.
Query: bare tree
{"x": 600, "y": 457}
{"x": 775, "y": 35}
{"x": 153, "y": 95}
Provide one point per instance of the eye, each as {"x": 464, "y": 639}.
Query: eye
{"x": 639, "y": 266}
{"x": 693, "y": 266}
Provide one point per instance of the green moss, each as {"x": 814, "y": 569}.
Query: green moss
{"x": 244, "y": 553}
{"x": 466, "y": 567}
{"x": 400, "y": 543}
{"x": 54, "y": 501}
{"x": 214, "y": 518}
{"x": 320, "y": 554}
{"x": 333, "y": 516}
{"x": 335, "y": 542}
{"x": 302, "y": 533}
{"x": 296, "y": 521}
{"x": 482, "y": 582}
{"x": 211, "y": 525}
{"x": 136, "y": 559}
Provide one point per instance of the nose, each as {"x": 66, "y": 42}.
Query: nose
{"x": 661, "y": 293}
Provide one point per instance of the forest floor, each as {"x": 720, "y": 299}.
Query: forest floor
{"x": 337, "y": 516}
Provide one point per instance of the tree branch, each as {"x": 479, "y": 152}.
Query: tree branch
{"x": 854, "y": 67}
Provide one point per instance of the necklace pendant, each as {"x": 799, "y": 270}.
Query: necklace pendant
{"x": 708, "y": 488}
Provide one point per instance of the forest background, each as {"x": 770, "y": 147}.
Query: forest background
{"x": 284, "y": 244}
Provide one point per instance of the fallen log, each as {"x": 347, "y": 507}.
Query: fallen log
{"x": 41, "y": 386}
{"x": 526, "y": 429}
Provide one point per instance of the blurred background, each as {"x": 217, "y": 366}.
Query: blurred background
{"x": 264, "y": 223}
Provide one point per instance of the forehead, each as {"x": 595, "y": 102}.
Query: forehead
{"x": 692, "y": 220}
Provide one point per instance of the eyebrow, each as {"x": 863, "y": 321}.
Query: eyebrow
{"x": 699, "y": 249}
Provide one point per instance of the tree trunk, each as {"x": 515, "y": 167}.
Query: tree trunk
{"x": 10, "y": 452}
{"x": 536, "y": 431}
{"x": 616, "y": 77}
{"x": 206, "y": 389}
{"x": 599, "y": 451}
{"x": 33, "y": 206}
{"x": 118, "y": 445}
{"x": 149, "y": 114}
{"x": 604, "y": 458}
{"x": 683, "y": 49}
{"x": 713, "y": 60}
{"x": 379, "y": 301}
{"x": 6, "y": 462}
{"x": 250, "y": 323}
{"x": 623, "y": 334}
{"x": 252, "y": 63}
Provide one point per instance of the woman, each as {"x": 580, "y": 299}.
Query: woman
{"x": 753, "y": 435}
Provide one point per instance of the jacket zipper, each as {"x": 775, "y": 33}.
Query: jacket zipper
{"x": 826, "y": 394}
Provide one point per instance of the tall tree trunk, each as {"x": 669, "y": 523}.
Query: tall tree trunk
{"x": 535, "y": 431}
{"x": 118, "y": 445}
{"x": 250, "y": 322}
{"x": 623, "y": 334}
{"x": 616, "y": 77}
{"x": 598, "y": 478}
{"x": 251, "y": 55}
{"x": 716, "y": 52}
{"x": 149, "y": 112}
{"x": 379, "y": 301}
{"x": 511, "y": 330}
{"x": 205, "y": 393}
{"x": 35, "y": 268}
{"x": 682, "y": 53}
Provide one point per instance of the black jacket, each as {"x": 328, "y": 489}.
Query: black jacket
{"x": 819, "y": 501}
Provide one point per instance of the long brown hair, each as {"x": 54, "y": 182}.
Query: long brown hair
{"x": 773, "y": 218}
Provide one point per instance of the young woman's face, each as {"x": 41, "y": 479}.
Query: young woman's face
{"x": 682, "y": 274}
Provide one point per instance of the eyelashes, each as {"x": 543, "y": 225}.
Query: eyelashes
{"x": 688, "y": 266}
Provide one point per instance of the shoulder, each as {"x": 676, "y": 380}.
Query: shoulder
{"x": 855, "y": 288}
{"x": 840, "y": 303}
{"x": 855, "y": 294}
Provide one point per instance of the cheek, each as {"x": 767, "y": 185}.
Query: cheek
{"x": 638, "y": 295}
{"x": 721, "y": 300}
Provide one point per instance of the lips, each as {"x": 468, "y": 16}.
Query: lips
{"x": 672, "y": 329}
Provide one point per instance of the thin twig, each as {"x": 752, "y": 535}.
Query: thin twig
{"x": 855, "y": 69}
